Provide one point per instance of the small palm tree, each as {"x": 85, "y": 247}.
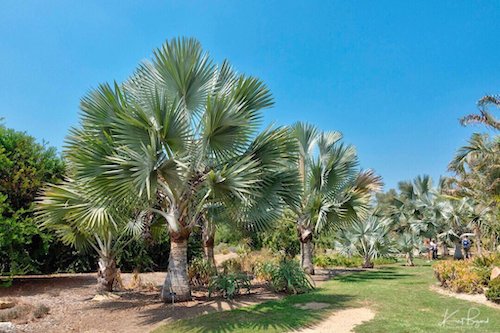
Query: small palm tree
{"x": 407, "y": 243}
{"x": 368, "y": 238}
{"x": 334, "y": 191}
{"x": 88, "y": 223}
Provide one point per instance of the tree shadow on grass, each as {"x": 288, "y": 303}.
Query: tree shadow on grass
{"x": 281, "y": 316}
{"x": 386, "y": 273}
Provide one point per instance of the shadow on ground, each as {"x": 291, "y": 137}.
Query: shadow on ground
{"x": 281, "y": 316}
{"x": 386, "y": 273}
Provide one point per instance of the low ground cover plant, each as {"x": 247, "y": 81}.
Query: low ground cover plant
{"x": 458, "y": 276}
{"x": 493, "y": 291}
{"x": 229, "y": 285}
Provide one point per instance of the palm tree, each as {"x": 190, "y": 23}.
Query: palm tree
{"x": 334, "y": 192}
{"x": 460, "y": 213}
{"x": 368, "y": 238}
{"x": 407, "y": 243}
{"x": 477, "y": 177}
{"x": 86, "y": 222}
{"x": 484, "y": 117}
{"x": 180, "y": 137}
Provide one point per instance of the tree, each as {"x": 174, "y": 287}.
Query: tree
{"x": 368, "y": 238}
{"x": 484, "y": 117}
{"x": 179, "y": 137}
{"x": 334, "y": 192}
{"x": 477, "y": 177}
{"x": 86, "y": 221}
{"x": 24, "y": 167}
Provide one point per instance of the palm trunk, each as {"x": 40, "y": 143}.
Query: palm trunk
{"x": 306, "y": 250}
{"x": 367, "y": 262}
{"x": 106, "y": 274}
{"x": 409, "y": 259}
{"x": 477, "y": 233}
{"x": 458, "y": 251}
{"x": 445, "y": 250}
{"x": 208, "y": 242}
{"x": 176, "y": 283}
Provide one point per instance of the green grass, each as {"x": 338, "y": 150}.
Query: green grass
{"x": 399, "y": 295}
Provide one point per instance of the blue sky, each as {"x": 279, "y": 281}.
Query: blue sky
{"x": 392, "y": 76}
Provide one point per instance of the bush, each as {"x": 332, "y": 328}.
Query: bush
{"x": 458, "y": 276}
{"x": 282, "y": 238}
{"x": 251, "y": 260}
{"x": 484, "y": 265}
{"x": 263, "y": 271}
{"x": 231, "y": 266}
{"x": 200, "y": 271}
{"x": 493, "y": 291}
{"x": 289, "y": 277}
{"x": 40, "y": 311}
{"x": 229, "y": 285}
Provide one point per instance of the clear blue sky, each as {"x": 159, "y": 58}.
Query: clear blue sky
{"x": 393, "y": 76}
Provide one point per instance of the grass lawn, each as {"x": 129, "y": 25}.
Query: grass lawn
{"x": 399, "y": 295}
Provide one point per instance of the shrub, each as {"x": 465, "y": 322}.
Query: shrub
{"x": 40, "y": 311}
{"x": 289, "y": 277}
{"x": 221, "y": 248}
{"x": 458, "y": 276}
{"x": 250, "y": 261}
{"x": 484, "y": 265}
{"x": 229, "y": 285}
{"x": 200, "y": 271}
{"x": 231, "y": 266}
{"x": 263, "y": 271}
{"x": 493, "y": 291}
{"x": 385, "y": 260}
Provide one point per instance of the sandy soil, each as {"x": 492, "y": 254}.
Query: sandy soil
{"x": 476, "y": 298}
{"x": 342, "y": 321}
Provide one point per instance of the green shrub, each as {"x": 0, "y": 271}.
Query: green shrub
{"x": 229, "y": 285}
{"x": 200, "y": 271}
{"x": 263, "y": 271}
{"x": 493, "y": 291}
{"x": 289, "y": 277}
{"x": 458, "y": 276}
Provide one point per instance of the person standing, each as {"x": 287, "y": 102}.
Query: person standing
{"x": 433, "y": 249}
{"x": 466, "y": 243}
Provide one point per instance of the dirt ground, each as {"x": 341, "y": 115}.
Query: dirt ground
{"x": 72, "y": 308}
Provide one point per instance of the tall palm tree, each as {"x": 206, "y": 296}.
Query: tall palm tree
{"x": 89, "y": 223}
{"x": 477, "y": 177}
{"x": 484, "y": 117}
{"x": 334, "y": 191}
{"x": 180, "y": 136}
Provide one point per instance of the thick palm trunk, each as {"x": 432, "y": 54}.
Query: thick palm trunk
{"x": 458, "y": 251}
{"x": 306, "y": 250}
{"x": 477, "y": 232}
{"x": 409, "y": 259}
{"x": 176, "y": 283}
{"x": 106, "y": 274}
